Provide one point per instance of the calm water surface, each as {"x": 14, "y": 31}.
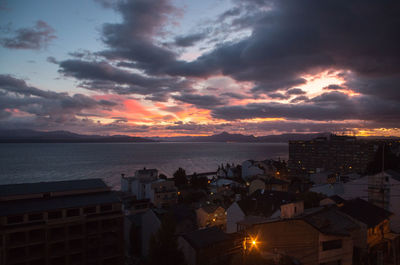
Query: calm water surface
{"x": 61, "y": 161}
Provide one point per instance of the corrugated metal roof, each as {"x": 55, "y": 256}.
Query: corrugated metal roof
{"x": 55, "y": 186}
{"x": 54, "y": 203}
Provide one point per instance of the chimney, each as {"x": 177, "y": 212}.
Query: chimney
{"x": 292, "y": 210}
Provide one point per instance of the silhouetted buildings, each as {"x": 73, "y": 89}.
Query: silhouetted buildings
{"x": 339, "y": 154}
{"x": 64, "y": 222}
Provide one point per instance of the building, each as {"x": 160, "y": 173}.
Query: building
{"x": 139, "y": 184}
{"x": 163, "y": 193}
{"x": 209, "y": 246}
{"x": 339, "y": 154}
{"x": 268, "y": 183}
{"x": 364, "y": 188}
{"x": 145, "y": 184}
{"x": 211, "y": 215}
{"x": 313, "y": 237}
{"x": 377, "y": 239}
{"x": 261, "y": 204}
{"x": 63, "y": 222}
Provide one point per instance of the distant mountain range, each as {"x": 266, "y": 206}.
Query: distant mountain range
{"x": 31, "y": 136}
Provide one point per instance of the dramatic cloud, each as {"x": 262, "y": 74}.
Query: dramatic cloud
{"x": 189, "y": 40}
{"x": 201, "y": 101}
{"x": 52, "y": 107}
{"x": 34, "y": 38}
{"x": 328, "y": 106}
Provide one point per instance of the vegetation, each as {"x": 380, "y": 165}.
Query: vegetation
{"x": 164, "y": 245}
{"x": 383, "y": 156}
{"x": 180, "y": 178}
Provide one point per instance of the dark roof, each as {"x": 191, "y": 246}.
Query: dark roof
{"x": 275, "y": 181}
{"x": 54, "y": 203}
{"x": 365, "y": 212}
{"x": 206, "y": 237}
{"x": 210, "y": 208}
{"x": 55, "y": 186}
{"x": 264, "y": 203}
{"x": 136, "y": 219}
{"x": 330, "y": 221}
{"x": 337, "y": 199}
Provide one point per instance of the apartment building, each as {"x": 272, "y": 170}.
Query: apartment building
{"x": 63, "y": 222}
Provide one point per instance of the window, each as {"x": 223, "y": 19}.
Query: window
{"x": 15, "y": 219}
{"x": 54, "y": 215}
{"x": 73, "y": 212}
{"x": 106, "y": 207}
{"x": 35, "y": 217}
{"x": 89, "y": 210}
{"x": 332, "y": 244}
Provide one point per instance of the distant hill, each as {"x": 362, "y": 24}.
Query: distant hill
{"x": 31, "y": 136}
{"x": 227, "y": 137}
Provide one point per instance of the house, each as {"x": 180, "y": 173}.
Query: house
{"x": 209, "y": 246}
{"x": 315, "y": 236}
{"x": 390, "y": 194}
{"x": 163, "y": 193}
{"x": 211, "y": 215}
{"x": 377, "y": 239}
{"x": 260, "y": 203}
{"x": 332, "y": 200}
{"x": 268, "y": 183}
{"x": 329, "y": 189}
{"x": 139, "y": 185}
{"x": 251, "y": 168}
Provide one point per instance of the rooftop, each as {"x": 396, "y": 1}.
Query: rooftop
{"x": 54, "y": 186}
{"x": 206, "y": 237}
{"x": 54, "y": 203}
{"x": 365, "y": 212}
{"x": 330, "y": 221}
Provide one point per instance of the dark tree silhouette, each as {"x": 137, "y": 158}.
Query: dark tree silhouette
{"x": 391, "y": 161}
{"x": 180, "y": 178}
{"x": 164, "y": 245}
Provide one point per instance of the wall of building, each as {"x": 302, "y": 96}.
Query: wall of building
{"x": 188, "y": 251}
{"x": 257, "y": 184}
{"x": 290, "y": 237}
{"x": 344, "y": 254}
{"x": 234, "y": 214}
{"x": 150, "y": 226}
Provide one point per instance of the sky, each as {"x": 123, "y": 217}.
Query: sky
{"x": 186, "y": 67}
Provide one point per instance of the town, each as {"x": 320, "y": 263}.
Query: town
{"x": 336, "y": 201}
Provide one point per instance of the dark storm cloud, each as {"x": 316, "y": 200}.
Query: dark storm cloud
{"x": 200, "y": 101}
{"x": 328, "y": 106}
{"x": 46, "y": 105}
{"x": 299, "y": 99}
{"x": 189, "y": 40}
{"x": 333, "y": 87}
{"x": 133, "y": 39}
{"x": 295, "y": 37}
{"x": 103, "y": 76}
{"x": 278, "y": 96}
{"x": 295, "y": 91}
{"x": 34, "y": 38}
{"x": 234, "y": 95}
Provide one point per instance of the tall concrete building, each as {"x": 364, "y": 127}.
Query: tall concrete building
{"x": 339, "y": 154}
{"x": 64, "y": 222}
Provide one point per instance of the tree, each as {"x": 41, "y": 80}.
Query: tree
{"x": 180, "y": 177}
{"x": 311, "y": 199}
{"x": 164, "y": 245}
{"x": 383, "y": 156}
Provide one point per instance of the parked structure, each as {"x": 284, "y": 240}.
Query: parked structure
{"x": 64, "y": 222}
